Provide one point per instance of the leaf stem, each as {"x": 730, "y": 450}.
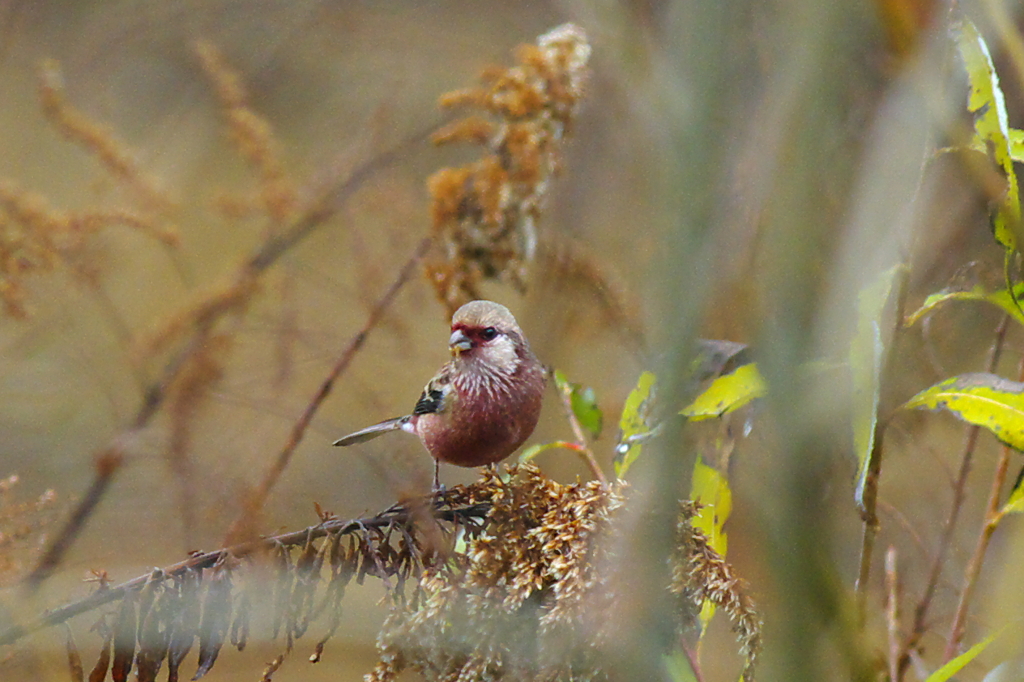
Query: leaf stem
{"x": 565, "y": 393}
{"x": 259, "y": 495}
{"x": 959, "y": 494}
{"x": 892, "y": 612}
{"x": 992, "y": 519}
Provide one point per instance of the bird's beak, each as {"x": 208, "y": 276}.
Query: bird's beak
{"x": 459, "y": 342}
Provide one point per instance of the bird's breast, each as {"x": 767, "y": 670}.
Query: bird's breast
{"x": 483, "y": 426}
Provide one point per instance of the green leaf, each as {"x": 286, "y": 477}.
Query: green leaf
{"x": 1001, "y": 298}
{"x": 957, "y": 664}
{"x": 1017, "y": 145}
{"x": 583, "y": 404}
{"x": 711, "y": 489}
{"x": 531, "y": 452}
{"x": 867, "y": 355}
{"x": 1015, "y": 504}
{"x": 992, "y": 127}
{"x": 983, "y": 399}
{"x": 1016, "y": 138}
{"x": 633, "y": 425}
{"x": 727, "y": 393}
{"x": 677, "y": 666}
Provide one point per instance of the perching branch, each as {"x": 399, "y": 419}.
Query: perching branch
{"x": 395, "y": 515}
{"x": 259, "y": 495}
{"x": 205, "y": 317}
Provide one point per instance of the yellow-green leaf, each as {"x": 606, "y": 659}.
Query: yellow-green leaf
{"x": 1017, "y": 145}
{"x": 1001, "y": 298}
{"x": 957, "y": 664}
{"x": 583, "y": 404}
{"x": 678, "y": 668}
{"x": 1015, "y": 504}
{"x": 867, "y": 354}
{"x": 991, "y": 125}
{"x": 977, "y": 144}
{"x": 983, "y": 399}
{"x": 633, "y": 425}
{"x": 711, "y": 489}
{"x": 727, "y": 393}
{"x": 531, "y": 452}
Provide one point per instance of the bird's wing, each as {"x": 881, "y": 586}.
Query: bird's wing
{"x": 372, "y": 431}
{"x": 436, "y": 394}
{"x": 431, "y": 400}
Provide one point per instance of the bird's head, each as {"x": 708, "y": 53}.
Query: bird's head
{"x": 486, "y": 335}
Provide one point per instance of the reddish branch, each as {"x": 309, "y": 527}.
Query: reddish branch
{"x": 992, "y": 518}
{"x": 395, "y": 516}
{"x": 959, "y": 494}
{"x": 273, "y": 474}
{"x": 111, "y": 458}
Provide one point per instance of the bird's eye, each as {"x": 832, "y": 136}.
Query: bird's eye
{"x": 488, "y": 333}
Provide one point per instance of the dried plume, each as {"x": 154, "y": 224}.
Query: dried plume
{"x": 22, "y": 527}
{"x": 485, "y": 214}
{"x": 700, "y": 574}
{"x": 498, "y": 580}
{"x": 37, "y": 238}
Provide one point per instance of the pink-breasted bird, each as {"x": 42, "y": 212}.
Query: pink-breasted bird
{"x": 484, "y": 402}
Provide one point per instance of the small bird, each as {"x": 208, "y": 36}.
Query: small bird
{"x": 484, "y": 402}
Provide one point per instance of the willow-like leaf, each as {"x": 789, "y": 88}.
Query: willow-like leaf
{"x": 954, "y": 666}
{"x": 710, "y": 488}
{"x": 991, "y": 125}
{"x": 1001, "y": 298}
{"x": 982, "y": 399}
{"x": 99, "y": 670}
{"x": 727, "y": 393}
{"x": 75, "y": 669}
{"x": 185, "y": 625}
{"x": 867, "y": 356}
{"x": 213, "y": 628}
{"x": 583, "y": 403}
{"x": 531, "y": 452}
{"x": 1015, "y": 505}
{"x": 124, "y": 641}
{"x": 633, "y": 425}
{"x": 678, "y": 668}
{"x": 1016, "y": 138}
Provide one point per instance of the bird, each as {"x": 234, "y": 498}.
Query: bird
{"x": 484, "y": 402}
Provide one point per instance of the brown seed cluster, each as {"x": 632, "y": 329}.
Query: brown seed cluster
{"x": 485, "y": 213}
{"x": 513, "y": 604}
{"x": 700, "y": 574}
{"x": 37, "y": 238}
{"x": 511, "y": 578}
{"x": 254, "y": 138}
{"x": 520, "y": 601}
{"x": 22, "y": 525}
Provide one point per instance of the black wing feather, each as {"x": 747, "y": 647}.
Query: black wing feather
{"x": 429, "y": 402}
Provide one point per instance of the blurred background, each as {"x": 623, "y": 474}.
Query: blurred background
{"x": 735, "y": 172}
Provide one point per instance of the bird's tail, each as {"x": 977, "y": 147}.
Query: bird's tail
{"x": 372, "y": 431}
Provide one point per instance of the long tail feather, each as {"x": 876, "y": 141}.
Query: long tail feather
{"x": 372, "y": 431}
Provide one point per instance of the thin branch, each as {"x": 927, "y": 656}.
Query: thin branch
{"x": 892, "y": 612}
{"x": 959, "y": 494}
{"x": 394, "y": 515}
{"x": 870, "y": 518}
{"x": 992, "y": 518}
{"x": 154, "y": 396}
{"x": 581, "y": 439}
{"x": 988, "y": 528}
{"x": 107, "y": 464}
{"x": 273, "y": 474}
{"x": 869, "y": 498}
